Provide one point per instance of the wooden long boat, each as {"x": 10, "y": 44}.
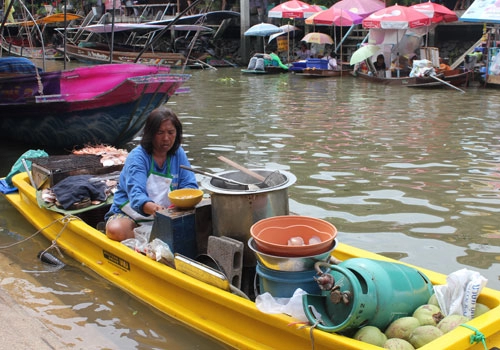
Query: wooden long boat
{"x": 220, "y": 314}
{"x": 455, "y": 78}
{"x": 16, "y": 47}
{"x": 97, "y": 104}
{"x": 97, "y": 54}
{"x": 22, "y": 43}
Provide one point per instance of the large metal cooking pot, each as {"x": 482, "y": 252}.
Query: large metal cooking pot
{"x": 235, "y": 210}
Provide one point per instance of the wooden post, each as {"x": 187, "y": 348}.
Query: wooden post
{"x": 245, "y": 24}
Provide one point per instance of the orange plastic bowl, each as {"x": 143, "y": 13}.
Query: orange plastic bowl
{"x": 272, "y": 235}
{"x": 185, "y": 198}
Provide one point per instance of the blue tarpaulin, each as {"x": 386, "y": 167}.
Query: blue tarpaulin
{"x": 17, "y": 65}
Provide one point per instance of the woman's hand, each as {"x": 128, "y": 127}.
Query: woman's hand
{"x": 150, "y": 208}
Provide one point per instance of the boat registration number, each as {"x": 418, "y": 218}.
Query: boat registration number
{"x": 124, "y": 264}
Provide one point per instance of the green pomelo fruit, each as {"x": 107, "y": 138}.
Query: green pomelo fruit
{"x": 371, "y": 335}
{"x": 428, "y": 314}
{"x": 451, "y": 322}
{"x": 433, "y": 300}
{"x": 480, "y": 309}
{"x": 398, "y": 344}
{"x": 424, "y": 335}
{"x": 402, "y": 327}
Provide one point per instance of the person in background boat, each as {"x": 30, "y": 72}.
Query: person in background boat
{"x": 412, "y": 57}
{"x": 380, "y": 66}
{"x": 151, "y": 171}
{"x": 406, "y": 64}
{"x": 444, "y": 63}
{"x": 332, "y": 61}
{"x": 303, "y": 53}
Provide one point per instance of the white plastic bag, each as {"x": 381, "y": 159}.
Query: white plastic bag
{"x": 159, "y": 251}
{"x": 458, "y": 296}
{"x": 141, "y": 238}
{"x": 291, "y": 306}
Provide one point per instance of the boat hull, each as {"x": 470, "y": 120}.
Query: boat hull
{"x": 101, "y": 104}
{"x": 220, "y": 314}
{"x": 402, "y": 81}
{"x": 48, "y": 53}
{"x": 322, "y": 73}
{"x": 267, "y": 70}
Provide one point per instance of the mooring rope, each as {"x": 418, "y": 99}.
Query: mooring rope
{"x": 65, "y": 220}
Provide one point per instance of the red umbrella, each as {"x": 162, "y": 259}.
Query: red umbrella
{"x": 396, "y": 17}
{"x": 362, "y": 8}
{"x": 292, "y": 9}
{"x": 436, "y": 12}
{"x": 334, "y": 16}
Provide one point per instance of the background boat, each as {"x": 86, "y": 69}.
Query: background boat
{"x": 35, "y": 38}
{"x": 97, "y": 104}
{"x": 193, "y": 41}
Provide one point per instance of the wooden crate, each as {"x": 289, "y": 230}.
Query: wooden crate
{"x": 431, "y": 54}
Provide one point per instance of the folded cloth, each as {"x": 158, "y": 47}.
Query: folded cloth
{"x": 78, "y": 188}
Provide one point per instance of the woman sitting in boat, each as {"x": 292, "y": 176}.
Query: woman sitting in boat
{"x": 151, "y": 171}
{"x": 444, "y": 63}
{"x": 380, "y": 66}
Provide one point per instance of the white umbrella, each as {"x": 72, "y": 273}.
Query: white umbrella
{"x": 287, "y": 28}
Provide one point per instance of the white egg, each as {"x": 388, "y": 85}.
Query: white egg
{"x": 296, "y": 241}
{"x": 314, "y": 240}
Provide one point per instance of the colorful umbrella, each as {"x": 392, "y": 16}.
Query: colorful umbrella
{"x": 292, "y": 9}
{"x": 436, "y": 12}
{"x": 363, "y": 53}
{"x": 334, "y": 17}
{"x": 362, "y": 8}
{"x": 396, "y": 17}
{"x": 318, "y": 38}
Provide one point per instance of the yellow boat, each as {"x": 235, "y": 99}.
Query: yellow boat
{"x": 219, "y": 313}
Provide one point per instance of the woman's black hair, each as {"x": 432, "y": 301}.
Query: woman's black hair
{"x": 153, "y": 123}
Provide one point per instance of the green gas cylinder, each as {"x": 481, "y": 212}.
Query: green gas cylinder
{"x": 367, "y": 292}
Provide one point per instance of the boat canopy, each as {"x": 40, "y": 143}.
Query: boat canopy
{"x": 55, "y": 18}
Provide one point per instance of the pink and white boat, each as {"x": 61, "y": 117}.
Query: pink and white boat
{"x": 96, "y": 104}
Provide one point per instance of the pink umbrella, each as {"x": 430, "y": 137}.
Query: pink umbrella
{"x": 334, "y": 16}
{"x": 292, "y": 9}
{"x": 396, "y": 17}
{"x": 362, "y": 8}
{"x": 436, "y": 12}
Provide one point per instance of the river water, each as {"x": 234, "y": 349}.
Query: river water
{"x": 410, "y": 174}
